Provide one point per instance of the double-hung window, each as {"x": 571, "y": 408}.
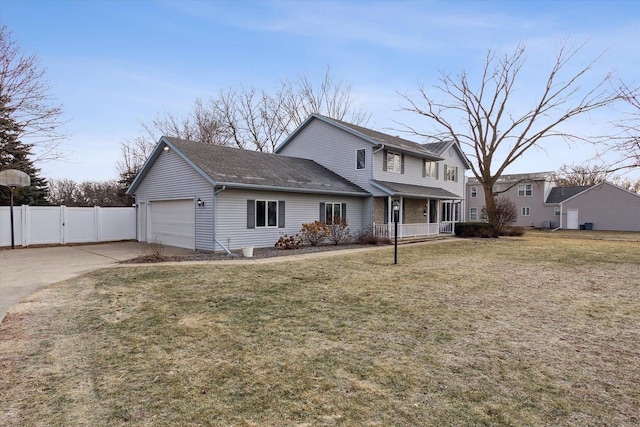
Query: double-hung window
{"x": 473, "y": 214}
{"x": 525, "y": 190}
{"x": 556, "y": 211}
{"x": 474, "y": 191}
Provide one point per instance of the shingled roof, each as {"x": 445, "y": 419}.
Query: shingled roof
{"x": 519, "y": 177}
{"x": 410, "y": 190}
{"x": 235, "y": 167}
{"x": 560, "y": 194}
{"x": 373, "y": 136}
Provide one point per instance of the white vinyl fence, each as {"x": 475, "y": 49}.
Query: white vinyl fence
{"x": 39, "y": 225}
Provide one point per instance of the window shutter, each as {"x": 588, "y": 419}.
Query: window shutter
{"x": 251, "y": 214}
{"x": 386, "y": 210}
{"x": 402, "y": 163}
{"x": 280, "y": 213}
{"x": 424, "y": 168}
{"x": 322, "y": 213}
{"x": 456, "y": 169}
{"x": 344, "y": 211}
{"x": 384, "y": 160}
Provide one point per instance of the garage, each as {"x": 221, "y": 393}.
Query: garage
{"x": 173, "y": 223}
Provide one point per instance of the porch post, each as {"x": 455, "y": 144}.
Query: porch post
{"x": 389, "y": 215}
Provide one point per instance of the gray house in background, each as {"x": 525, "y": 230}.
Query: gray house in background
{"x": 528, "y": 192}
{"x": 599, "y": 207}
{"x": 542, "y": 204}
{"x": 209, "y": 197}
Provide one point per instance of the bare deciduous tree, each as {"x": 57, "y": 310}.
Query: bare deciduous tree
{"x": 23, "y": 86}
{"x": 627, "y": 143}
{"x": 505, "y": 213}
{"x": 247, "y": 118}
{"x": 582, "y": 175}
{"x": 486, "y": 123}
{"x": 87, "y": 193}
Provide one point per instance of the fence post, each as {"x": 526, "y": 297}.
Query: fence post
{"x": 27, "y": 225}
{"x": 96, "y": 223}
{"x": 63, "y": 221}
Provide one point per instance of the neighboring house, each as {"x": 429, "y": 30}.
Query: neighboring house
{"x": 527, "y": 191}
{"x": 542, "y": 204}
{"x": 599, "y": 207}
{"x": 210, "y": 197}
{"x": 427, "y": 179}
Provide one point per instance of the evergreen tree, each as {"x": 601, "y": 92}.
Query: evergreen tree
{"x": 16, "y": 155}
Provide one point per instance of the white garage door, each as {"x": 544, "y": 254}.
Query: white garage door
{"x": 173, "y": 223}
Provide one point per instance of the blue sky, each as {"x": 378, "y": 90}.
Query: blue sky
{"x": 114, "y": 63}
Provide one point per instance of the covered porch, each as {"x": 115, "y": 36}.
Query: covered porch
{"x": 424, "y": 211}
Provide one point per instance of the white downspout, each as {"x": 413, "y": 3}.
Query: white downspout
{"x": 215, "y": 222}
{"x": 558, "y": 228}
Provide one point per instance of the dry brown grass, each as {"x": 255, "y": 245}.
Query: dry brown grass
{"x": 524, "y": 331}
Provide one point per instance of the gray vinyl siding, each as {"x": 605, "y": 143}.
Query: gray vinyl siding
{"x": 539, "y": 211}
{"x": 231, "y": 215}
{"x": 170, "y": 177}
{"x": 413, "y": 172}
{"x": 334, "y": 149}
{"x": 606, "y": 206}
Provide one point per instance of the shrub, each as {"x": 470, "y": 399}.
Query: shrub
{"x": 314, "y": 232}
{"x": 475, "y": 229}
{"x": 289, "y": 242}
{"x": 505, "y": 213}
{"x": 512, "y": 231}
{"x": 338, "y": 232}
{"x": 367, "y": 237}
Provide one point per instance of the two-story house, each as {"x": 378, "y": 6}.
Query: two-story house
{"x": 211, "y": 197}
{"x": 426, "y": 179}
{"x": 527, "y": 191}
{"x": 541, "y": 203}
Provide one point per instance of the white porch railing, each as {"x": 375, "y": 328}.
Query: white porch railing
{"x": 446, "y": 227}
{"x": 413, "y": 230}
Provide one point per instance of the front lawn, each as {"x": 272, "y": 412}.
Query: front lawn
{"x": 526, "y": 331}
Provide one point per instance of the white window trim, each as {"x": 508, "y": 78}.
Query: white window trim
{"x": 522, "y": 211}
{"x": 556, "y": 211}
{"x": 474, "y": 191}
{"x": 524, "y": 190}
{"x": 473, "y": 211}
{"x": 365, "y": 159}
{"x": 266, "y": 213}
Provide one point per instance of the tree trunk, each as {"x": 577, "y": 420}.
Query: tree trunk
{"x": 490, "y": 205}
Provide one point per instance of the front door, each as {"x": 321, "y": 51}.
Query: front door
{"x": 572, "y": 219}
{"x": 433, "y": 211}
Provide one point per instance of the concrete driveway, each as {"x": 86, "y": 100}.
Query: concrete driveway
{"x": 23, "y": 271}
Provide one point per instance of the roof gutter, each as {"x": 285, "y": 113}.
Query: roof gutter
{"x": 379, "y": 149}
{"x": 293, "y": 189}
